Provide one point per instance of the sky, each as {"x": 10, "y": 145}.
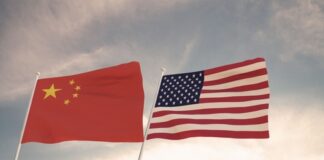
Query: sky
{"x": 59, "y": 38}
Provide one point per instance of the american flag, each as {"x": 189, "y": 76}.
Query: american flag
{"x": 228, "y": 101}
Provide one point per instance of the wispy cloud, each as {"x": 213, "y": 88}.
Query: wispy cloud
{"x": 46, "y": 36}
{"x": 300, "y": 26}
{"x": 188, "y": 50}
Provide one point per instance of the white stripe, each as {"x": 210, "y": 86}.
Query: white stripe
{"x": 213, "y": 105}
{"x": 226, "y": 127}
{"x": 235, "y": 71}
{"x": 242, "y": 82}
{"x": 247, "y": 115}
{"x": 233, "y": 94}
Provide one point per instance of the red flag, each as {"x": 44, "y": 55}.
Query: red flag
{"x": 101, "y": 105}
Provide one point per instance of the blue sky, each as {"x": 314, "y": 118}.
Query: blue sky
{"x": 59, "y": 38}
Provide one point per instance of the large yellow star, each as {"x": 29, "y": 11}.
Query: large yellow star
{"x": 51, "y": 91}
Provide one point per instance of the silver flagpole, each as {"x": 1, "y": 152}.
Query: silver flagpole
{"x": 26, "y": 116}
{"x": 149, "y": 120}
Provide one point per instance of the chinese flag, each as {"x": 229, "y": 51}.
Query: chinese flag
{"x": 101, "y": 105}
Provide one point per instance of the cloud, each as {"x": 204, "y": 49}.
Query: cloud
{"x": 53, "y": 38}
{"x": 300, "y": 26}
{"x": 188, "y": 50}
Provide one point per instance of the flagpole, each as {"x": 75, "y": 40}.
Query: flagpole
{"x": 26, "y": 116}
{"x": 149, "y": 118}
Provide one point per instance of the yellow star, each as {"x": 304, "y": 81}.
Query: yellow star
{"x": 51, "y": 91}
{"x": 71, "y": 82}
{"x": 75, "y": 95}
{"x": 77, "y": 88}
{"x": 67, "y": 101}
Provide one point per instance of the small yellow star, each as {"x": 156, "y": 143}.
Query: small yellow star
{"x": 67, "y": 101}
{"x": 71, "y": 82}
{"x": 51, "y": 91}
{"x": 77, "y": 88}
{"x": 75, "y": 95}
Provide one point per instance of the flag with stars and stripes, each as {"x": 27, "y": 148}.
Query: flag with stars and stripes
{"x": 228, "y": 101}
{"x": 101, "y": 105}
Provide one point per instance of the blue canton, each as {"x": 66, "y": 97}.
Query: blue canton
{"x": 180, "y": 89}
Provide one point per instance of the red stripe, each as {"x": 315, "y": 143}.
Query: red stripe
{"x": 233, "y": 99}
{"x": 210, "y": 133}
{"x": 251, "y": 74}
{"x": 256, "y": 86}
{"x": 214, "y": 110}
{"x": 231, "y": 66}
{"x": 259, "y": 120}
